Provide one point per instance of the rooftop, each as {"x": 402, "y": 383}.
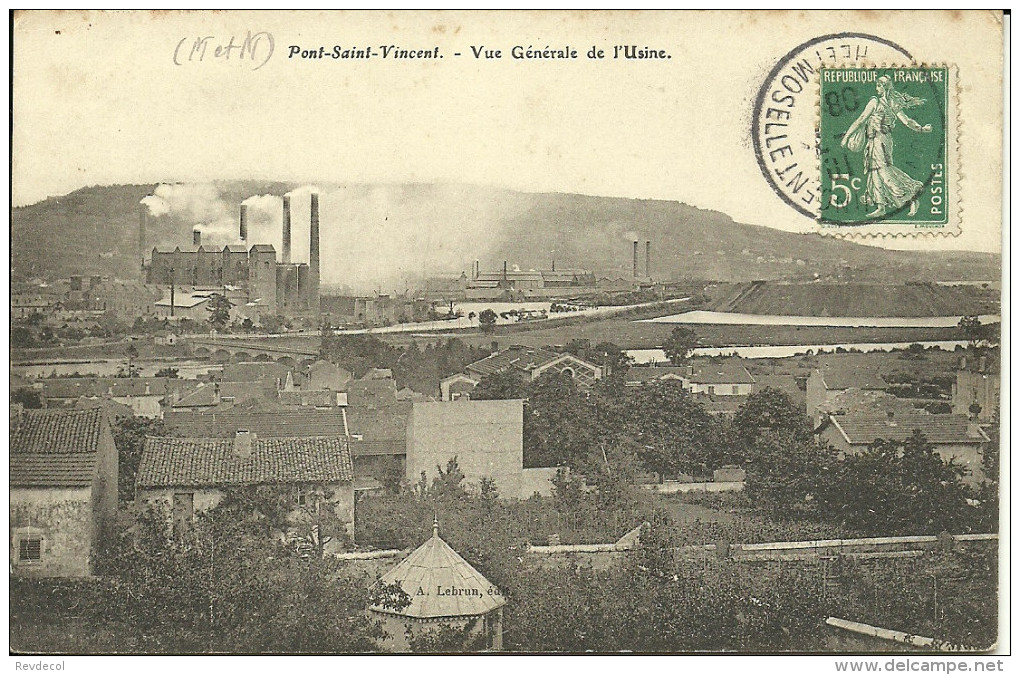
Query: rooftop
{"x": 208, "y": 462}
{"x": 721, "y": 373}
{"x": 515, "y": 356}
{"x": 434, "y": 566}
{"x": 866, "y": 428}
{"x": 845, "y": 377}
{"x": 55, "y": 448}
{"x": 266, "y": 418}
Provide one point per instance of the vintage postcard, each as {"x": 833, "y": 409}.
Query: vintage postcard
{"x": 565, "y": 332}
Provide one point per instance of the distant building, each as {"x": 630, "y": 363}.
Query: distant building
{"x": 824, "y": 384}
{"x": 63, "y": 481}
{"x": 953, "y": 436}
{"x": 129, "y": 298}
{"x": 977, "y": 383}
{"x": 187, "y": 475}
{"x": 193, "y": 306}
{"x": 144, "y": 395}
{"x": 720, "y": 379}
{"x": 269, "y": 286}
{"x": 529, "y": 363}
{"x": 445, "y": 591}
{"x": 485, "y": 437}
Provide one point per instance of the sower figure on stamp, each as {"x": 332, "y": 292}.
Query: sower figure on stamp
{"x": 887, "y": 188}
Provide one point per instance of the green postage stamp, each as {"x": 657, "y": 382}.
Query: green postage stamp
{"x": 887, "y": 140}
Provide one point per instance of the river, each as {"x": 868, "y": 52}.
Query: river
{"x": 735, "y": 319}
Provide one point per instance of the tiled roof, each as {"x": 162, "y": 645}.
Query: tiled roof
{"x": 721, "y": 373}
{"x": 75, "y": 387}
{"x": 435, "y": 567}
{"x": 253, "y": 371}
{"x": 53, "y": 469}
{"x": 316, "y": 397}
{"x": 55, "y": 448}
{"x": 57, "y": 431}
{"x": 516, "y": 356}
{"x": 264, "y": 418}
{"x": 372, "y": 393}
{"x": 362, "y": 448}
{"x": 837, "y": 377}
{"x": 208, "y": 462}
{"x": 642, "y": 374}
{"x": 263, "y": 248}
{"x": 864, "y": 429}
{"x": 205, "y": 395}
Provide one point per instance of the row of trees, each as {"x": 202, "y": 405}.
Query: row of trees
{"x": 893, "y": 487}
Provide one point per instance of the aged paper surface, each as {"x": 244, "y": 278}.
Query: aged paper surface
{"x": 576, "y": 193}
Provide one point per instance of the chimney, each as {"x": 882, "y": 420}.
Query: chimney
{"x": 216, "y": 393}
{"x": 554, "y": 265}
{"x": 982, "y": 364}
{"x": 476, "y": 270}
{"x": 313, "y": 257}
{"x": 286, "y": 229}
{"x": 635, "y": 260}
{"x": 648, "y": 259}
{"x": 504, "y": 270}
{"x": 196, "y": 237}
{"x": 243, "y": 234}
{"x": 963, "y": 363}
{"x": 142, "y": 217}
{"x": 244, "y": 442}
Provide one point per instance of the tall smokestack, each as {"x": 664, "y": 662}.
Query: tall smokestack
{"x": 313, "y": 256}
{"x": 196, "y": 237}
{"x": 142, "y": 217}
{"x": 648, "y": 259}
{"x": 286, "y": 228}
{"x": 244, "y": 223}
{"x": 554, "y": 265}
{"x": 504, "y": 270}
{"x": 635, "y": 260}
{"x": 476, "y": 270}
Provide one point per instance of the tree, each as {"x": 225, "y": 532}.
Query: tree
{"x": 672, "y": 430}
{"x": 487, "y": 320}
{"x": 21, "y": 337}
{"x": 789, "y": 475}
{"x": 899, "y": 487}
{"x": 557, "y": 422}
{"x": 500, "y": 386}
{"x": 767, "y": 411}
{"x": 612, "y": 358}
{"x": 28, "y": 398}
{"x": 219, "y": 311}
{"x": 680, "y": 345}
{"x": 129, "y": 436}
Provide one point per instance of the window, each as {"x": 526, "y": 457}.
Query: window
{"x": 735, "y": 389}
{"x": 711, "y": 389}
{"x": 30, "y": 549}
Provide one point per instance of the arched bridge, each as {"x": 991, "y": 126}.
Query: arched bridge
{"x": 262, "y": 349}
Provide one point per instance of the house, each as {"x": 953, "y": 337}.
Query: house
{"x": 186, "y": 475}
{"x": 262, "y": 416}
{"x": 445, "y": 591}
{"x": 63, "y": 481}
{"x": 194, "y": 306}
{"x": 977, "y": 388}
{"x": 486, "y": 438}
{"x": 210, "y": 395}
{"x": 529, "y": 363}
{"x": 953, "y": 436}
{"x": 640, "y": 376}
{"x": 824, "y": 384}
{"x": 720, "y": 379}
{"x": 144, "y": 395}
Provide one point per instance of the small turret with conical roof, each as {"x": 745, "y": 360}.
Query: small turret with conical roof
{"x": 444, "y": 589}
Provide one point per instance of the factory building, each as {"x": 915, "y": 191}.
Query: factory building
{"x": 273, "y": 287}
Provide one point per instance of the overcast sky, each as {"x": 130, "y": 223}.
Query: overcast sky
{"x": 98, "y": 99}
